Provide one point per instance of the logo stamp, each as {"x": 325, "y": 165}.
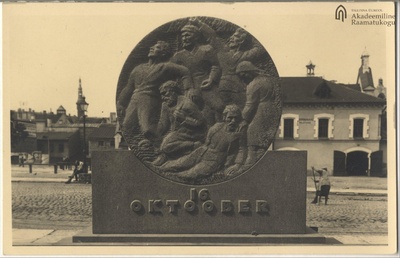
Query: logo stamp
{"x": 341, "y": 13}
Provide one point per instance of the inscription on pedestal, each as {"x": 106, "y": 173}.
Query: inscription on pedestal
{"x": 127, "y": 202}
{"x": 208, "y": 205}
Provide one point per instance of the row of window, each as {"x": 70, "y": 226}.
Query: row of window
{"x": 101, "y": 143}
{"x": 60, "y": 147}
{"x": 323, "y": 126}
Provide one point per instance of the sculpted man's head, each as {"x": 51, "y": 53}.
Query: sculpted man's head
{"x": 190, "y": 35}
{"x": 247, "y": 71}
{"x": 238, "y": 38}
{"x": 232, "y": 116}
{"x": 169, "y": 93}
{"x": 160, "y": 50}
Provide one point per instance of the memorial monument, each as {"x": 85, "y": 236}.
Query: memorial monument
{"x": 199, "y": 104}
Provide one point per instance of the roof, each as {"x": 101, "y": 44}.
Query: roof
{"x": 356, "y": 87}
{"x": 300, "y": 90}
{"x": 104, "y": 131}
{"x": 44, "y": 116}
{"x": 88, "y": 120}
{"x": 55, "y": 135}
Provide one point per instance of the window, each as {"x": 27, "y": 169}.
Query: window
{"x": 288, "y": 128}
{"x": 101, "y": 143}
{"x": 112, "y": 143}
{"x": 61, "y": 147}
{"x": 358, "y": 128}
{"x": 323, "y": 125}
{"x": 51, "y": 147}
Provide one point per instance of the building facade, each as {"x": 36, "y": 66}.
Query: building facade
{"x": 339, "y": 127}
{"x": 55, "y": 136}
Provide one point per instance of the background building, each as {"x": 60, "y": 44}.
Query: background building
{"x": 342, "y": 126}
{"x": 53, "y": 136}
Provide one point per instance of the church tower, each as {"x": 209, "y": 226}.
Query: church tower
{"x": 80, "y": 100}
{"x": 364, "y": 78}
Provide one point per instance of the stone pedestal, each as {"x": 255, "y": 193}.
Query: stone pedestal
{"x": 267, "y": 204}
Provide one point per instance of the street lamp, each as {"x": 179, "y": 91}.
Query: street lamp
{"x": 84, "y": 106}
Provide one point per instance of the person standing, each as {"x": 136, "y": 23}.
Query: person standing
{"x": 322, "y": 185}
{"x": 21, "y": 160}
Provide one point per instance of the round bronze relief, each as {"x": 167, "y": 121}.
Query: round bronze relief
{"x": 198, "y": 100}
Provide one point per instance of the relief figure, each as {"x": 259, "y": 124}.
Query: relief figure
{"x": 237, "y": 48}
{"x": 224, "y": 149}
{"x": 198, "y": 101}
{"x": 259, "y": 110}
{"x": 181, "y": 123}
{"x": 201, "y": 60}
{"x": 140, "y": 101}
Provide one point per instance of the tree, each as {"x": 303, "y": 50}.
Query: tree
{"x": 18, "y": 133}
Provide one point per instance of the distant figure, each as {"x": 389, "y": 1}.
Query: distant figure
{"x": 67, "y": 162}
{"x": 322, "y": 185}
{"x": 21, "y": 160}
{"x": 77, "y": 170}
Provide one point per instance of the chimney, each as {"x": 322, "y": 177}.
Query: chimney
{"x": 113, "y": 117}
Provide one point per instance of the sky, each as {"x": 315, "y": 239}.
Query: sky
{"x": 48, "y": 47}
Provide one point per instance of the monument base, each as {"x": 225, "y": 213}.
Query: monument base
{"x": 310, "y": 237}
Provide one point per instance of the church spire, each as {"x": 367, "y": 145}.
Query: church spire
{"x": 80, "y": 100}
{"x": 80, "y": 95}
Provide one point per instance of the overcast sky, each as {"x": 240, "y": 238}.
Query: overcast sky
{"x": 48, "y": 47}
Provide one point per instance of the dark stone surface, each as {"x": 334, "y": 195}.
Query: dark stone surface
{"x": 310, "y": 237}
{"x": 119, "y": 178}
{"x": 180, "y": 88}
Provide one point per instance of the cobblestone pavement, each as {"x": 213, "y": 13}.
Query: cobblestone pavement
{"x": 62, "y": 206}
{"x": 349, "y": 214}
{"x": 51, "y": 205}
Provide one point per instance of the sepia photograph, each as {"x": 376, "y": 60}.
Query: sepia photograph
{"x": 199, "y": 128}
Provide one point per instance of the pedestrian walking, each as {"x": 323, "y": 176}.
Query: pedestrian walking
{"x": 21, "y": 160}
{"x": 322, "y": 185}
